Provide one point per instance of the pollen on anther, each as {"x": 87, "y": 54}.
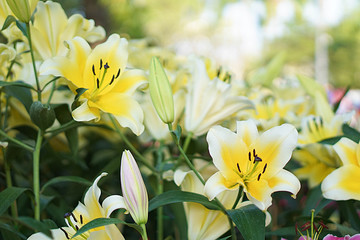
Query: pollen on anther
{"x": 101, "y": 63}
{"x": 112, "y": 80}
{"x": 81, "y": 219}
{"x": 74, "y": 217}
{"x": 66, "y": 234}
{"x": 264, "y": 168}
{"x": 259, "y": 177}
{"x": 250, "y": 156}
{"x": 97, "y": 83}
{"x": 238, "y": 167}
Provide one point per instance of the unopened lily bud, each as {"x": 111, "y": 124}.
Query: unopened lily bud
{"x": 160, "y": 91}
{"x": 22, "y": 9}
{"x": 133, "y": 189}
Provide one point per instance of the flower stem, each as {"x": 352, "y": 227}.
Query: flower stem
{"x": 187, "y": 141}
{"x": 17, "y": 142}
{"x": 14, "y": 211}
{"x": 143, "y": 233}
{"x": 160, "y": 182}
{"x": 33, "y": 61}
{"x": 140, "y": 158}
{"x": 36, "y": 174}
{"x": 239, "y": 196}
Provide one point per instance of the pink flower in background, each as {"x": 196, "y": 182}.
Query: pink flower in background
{"x": 346, "y": 237}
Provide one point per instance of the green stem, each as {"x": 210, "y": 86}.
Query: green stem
{"x": 51, "y": 94}
{"x": 143, "y": 233}
{"x": 239, "y": 196}
{"x": 187, "y": 141}
{"x": 33, "y": 61}
{"x": 312, "y": 223}
{"x": 36, "y": 174}
{"x": 160, "y": 182}
{"x": 140, "y": 158}
{"x": 14, "y": 212}
{"x": 17, "y": 142}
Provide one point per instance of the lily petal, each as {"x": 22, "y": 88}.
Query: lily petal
{"x": 259, "y": 193}
{"x": 91, "y": 199}
{"x": 85, "y": 113}
{"x": 346, "y": 149}
{"x": 217, "y": 184}
{"x": 130, "y": 81}
{"x": 342, "y": 183}
{"x": 247, "y": 131}
{"x": 284, "y": 181}
{"x": 112, "y": 203}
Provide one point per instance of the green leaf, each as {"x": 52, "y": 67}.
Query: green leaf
{"x": 351, "y": 133}
{"x": 63, "y": 115}
{"x": 11, "y": 229}
{"x": 22, "y": 93}
{"x": 9, "y": 19}
{"x": 35, "y": 225}
{"x": 250, "y": 221}
{"x": 349, "y": 211}
{"x": 177, "y": 132}
{"x": 315, "y": 200}
{"x": 282, "y": 232}
{"x": 345, "y": 230}
{"x": 62, "y": 179}
{"x": 331, "y": 141}
{"x": 22, "y": 27}
{"x": 176, "y": 196}
{"x": 8, "y": 196}
{"x": 16, "y": 83}
{"x": 79, "y": 92}
{"x": 99, "y": 222}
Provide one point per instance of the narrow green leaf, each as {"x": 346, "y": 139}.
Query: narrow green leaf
{"x": 22, "y": 93}
{"x": 351, "y": 133}
{"x": 177, "y": 196}
{"x": 315, "y": 200}
{"x": 348, "y": 209}
{"x": 35, "y": 225}
{"x": 8, "y": 196}
{"x": 16, "y": 83}
{"x": 12, "y": 230}
{"x": 9, "y": 19}
{"x": 22, "y": 27}
{"x": 283, "y": 232}
{"x": 80, "y": 91}
{"x": 345, "y": 230}
{"x": 250, "y": 221}
{"x": 61, "y": 179}
{"x": 331, "y": 141}
{"x": 99, "y": 222}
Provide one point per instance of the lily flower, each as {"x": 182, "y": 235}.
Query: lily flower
{"x": 22, "y": 9}
{"x": 51, "y": 28}
{"x": 102, "y": 71}
{"x": 203, "y": 223}
{"x": 343, "y": 183}
{"x": 84, "y": 213}
{"x": 209, "y": 101}
{"x": 133, "y": 188}
{"x": 252, "y": 161}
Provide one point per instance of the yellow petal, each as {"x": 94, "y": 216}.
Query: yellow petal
{"x": 85, "y": 113}
{"x": 217, "y": 184}
{"x": 346, "y": 149}
{"x": 112, "y": 203}
{"x": 275, "y": 147}
{"x": 342, "y": 184}
{"x": 259, "y": 193}
{"x": 91, "y": 200}
{"x": 247, "y": 131}
{"x": 125, "y": 109}
{"x": 130, "y": 81}
{"x": 284, "y": 181}
{"x": 314, "y": 173}
{"x": 114, "y": 53}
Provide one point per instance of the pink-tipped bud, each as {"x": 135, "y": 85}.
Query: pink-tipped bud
{"x": 133, "y": 189}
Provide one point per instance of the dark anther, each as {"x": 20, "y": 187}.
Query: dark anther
{"x": 118, "y": 73}
{"x": 254, "y": 153}
{"x": 66, "y": 234}
{"x": 321, "y": 121}
{"x": 238, "y": 167}
{"x": 218, "y": 72}
{"x": 81, "y": 219}
{"x": 112, "y": 80}
{"x": 93, "y": 69}
{"x": 250, "y": 156}
{"x": 264, "y": 168}
{"x": 74, "y": 217}
{"x": 106, "y": 66}
{"x": 257, "y": 159}
{"x": 68, "y": 214}
{"x": 259, "y": 176}
{"x": 100, "y": 64}
{"x": 97, "y": 83}
{"x": 77, "y": 228}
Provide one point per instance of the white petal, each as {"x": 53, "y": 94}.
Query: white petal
{"x": 285, "y": 181}
{"x": 189, "y": 181}
{"x": 112, "y": 203}
{"x": 214, "y": 185}
{"x": 84, "y": 113}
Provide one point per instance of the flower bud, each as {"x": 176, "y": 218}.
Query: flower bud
{"x": 43, "y": 116}
{"x": 160, "y": 91}
{"x": 22, "y": 9}
{"x": 133, "y": 189}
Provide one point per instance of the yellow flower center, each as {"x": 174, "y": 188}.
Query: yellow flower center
{"x": 99, "y": 78}
{"x": 252, "y": 170}
{"x": 74, "y": 224}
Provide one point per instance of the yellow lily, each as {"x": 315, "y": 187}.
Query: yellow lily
{"x": 252, "y": 161}
{"x": 343, "y": 183}
{"x": 209, "y": 102}
{"x": 84, "y": 213}
{"x": 22, "y": 9}
{"x": 102, "y": 71}
{"x": 317, "y": 160}
{"x": 51, "y": 27}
